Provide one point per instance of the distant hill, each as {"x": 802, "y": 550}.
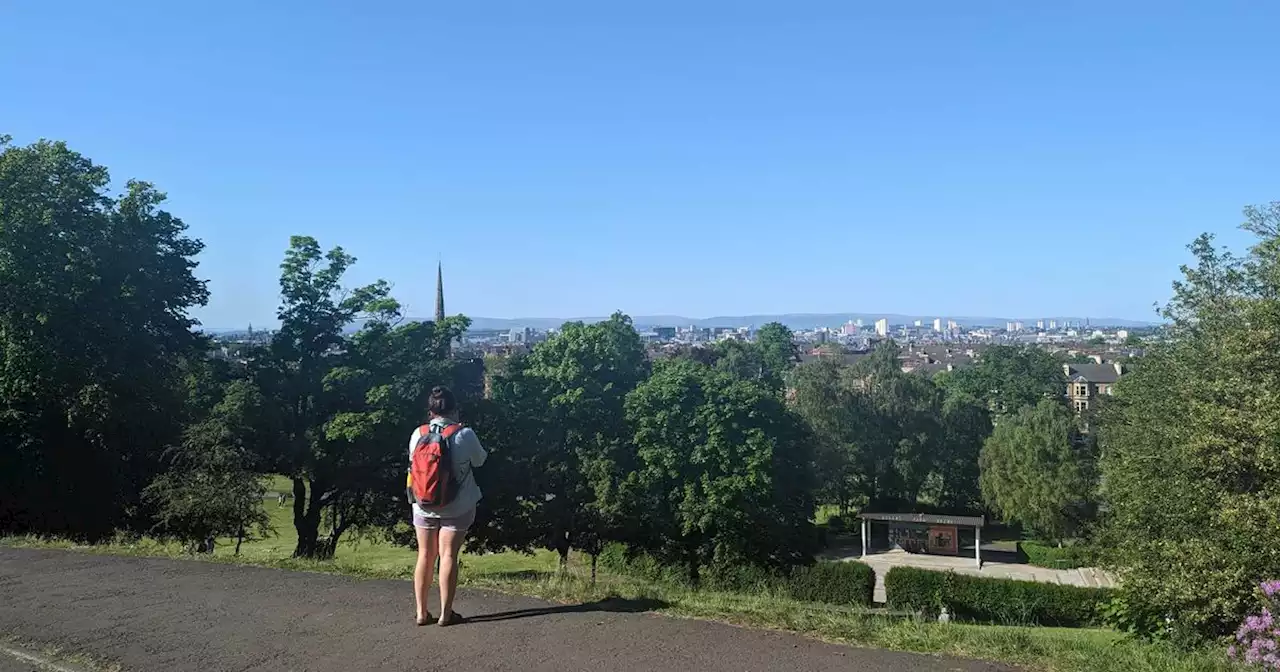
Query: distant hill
{"x": 793, "y": 320}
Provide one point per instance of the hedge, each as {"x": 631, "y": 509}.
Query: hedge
{"x": 833, "y": 583}
{"x": 1067, "y": 557}
{"x": 991, "y": 600}
{"x": 840, "y": 583}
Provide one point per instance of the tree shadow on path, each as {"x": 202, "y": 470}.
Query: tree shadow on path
{"x": 613, "y": 605}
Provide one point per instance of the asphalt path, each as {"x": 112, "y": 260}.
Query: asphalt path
{"x": 174, "y": 615}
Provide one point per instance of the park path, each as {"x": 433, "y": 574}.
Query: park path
{"x": 174, "y": 615}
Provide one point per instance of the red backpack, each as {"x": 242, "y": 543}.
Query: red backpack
{"x": 432, "y": 481}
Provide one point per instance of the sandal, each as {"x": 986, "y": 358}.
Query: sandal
{"x": 454, "y": 618}
{"x": 425, "y": 620}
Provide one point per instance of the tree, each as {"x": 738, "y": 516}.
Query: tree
{"x": 1133, "y": 341}
{"x": 879, "y": 432}
{"x": 341, "y": 406}
{"x": 901, "y": 430}
{"x": 1097, "y": 341}
{"x": 820, "y": 396}
{"x": 778, "y": 352}
{"x": 954, "y": 484}
{"x": 1008, "y": 377}
{"x": 213, "y": 487}
{"x": 94, "y": 293}
{"x": 1191, "y": 449}
{"x": 723, "y": 471}
{"x": 768, "y": 359}
{"x": 377, "y": 392}
{"x": 524, "y": 470}
{"x": 1035, "y": 470}
{"x": 581, "y": 377}
{"x": 314, "y": 310}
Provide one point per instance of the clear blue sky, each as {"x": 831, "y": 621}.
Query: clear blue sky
{"x": 698, "y": 158}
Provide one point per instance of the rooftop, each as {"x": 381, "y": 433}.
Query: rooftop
{"x": 923, "y": 518}
{"x": 1093, "y": 373}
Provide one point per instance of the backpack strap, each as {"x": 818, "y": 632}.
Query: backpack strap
{"x": 447, "y": 432}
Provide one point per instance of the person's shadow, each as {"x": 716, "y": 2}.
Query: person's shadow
{"x": 615, "y": 605}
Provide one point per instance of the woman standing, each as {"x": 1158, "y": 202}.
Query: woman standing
{"x": 441, "y": 530}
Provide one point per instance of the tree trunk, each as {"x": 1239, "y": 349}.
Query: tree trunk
{"x": 306, "y": 519}
{"x": 239, "y": 539}
{"x": 561, "y": 542}
{"x": 595, "y": 557}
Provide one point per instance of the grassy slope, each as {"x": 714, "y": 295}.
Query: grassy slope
{"x": 537, "y": 575}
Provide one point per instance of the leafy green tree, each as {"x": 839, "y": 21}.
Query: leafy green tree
{"x": 767, "y": 359}
{"x": 1008, "y": 377}
{"x": 1037, "y": 471}
{"x": 378, "y": 392}
{"x": 1133, "y": 341}
{"x": 740, "y": 358}
{"x": 901, "y": 428}
{"x": 293, "y": 373}
{"x": 524, "y": 467}
{"x": 955, "y": 486}
{"x": 213, "y": 487}
{"x": 343, "y": 407}
{"x": 94, "y": 293}
{"x": 1097, "y": 341}
{"x": 778, "y": 352}
{"x": 724, "y": 471}
{"x": 831, "y": 409}
{"x": 879, "y": 433}
{"x": 1191, "y": 443}
{"x": 581, "y": 376}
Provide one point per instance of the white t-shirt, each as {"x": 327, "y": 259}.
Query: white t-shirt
{"x": 467, "y": 455}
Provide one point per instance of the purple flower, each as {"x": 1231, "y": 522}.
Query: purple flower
{"x": 1270, "y": 588}
{"x": 1231, "y": 651}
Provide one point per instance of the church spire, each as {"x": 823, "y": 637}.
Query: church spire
{"x": 439, "y": 292}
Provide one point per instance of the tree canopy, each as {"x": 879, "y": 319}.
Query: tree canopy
{"x": 580, "y": 378}
{"x": 723, "y": 471}
{"x": 884, "y": 437}
{"x": 1008, "y": 377}
{"x": 1037, "y": 470}
{"x": 95, "y": 290}
{"x": 1191, "y": 449}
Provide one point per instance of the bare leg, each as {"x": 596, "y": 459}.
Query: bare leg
{"x": 424, "y": 569}
{"x": 450, "y": 545}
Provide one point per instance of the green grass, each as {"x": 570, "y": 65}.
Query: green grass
{"x": 538, "y": 575}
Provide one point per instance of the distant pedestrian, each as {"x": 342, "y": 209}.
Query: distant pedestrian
{"x": 281, "y": 499}
{"x": 442, "y": 487}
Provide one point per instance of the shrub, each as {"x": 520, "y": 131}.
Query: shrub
{"x": 1257, "y": 638}
{"x": 845, "y": 583}
{"x": 1005, "y": 601}
{"x": 840, "y": 583}
{"x": 739, "y": 577}
{"x": 1067, "y": 557}
{"x": 836, "y": 524}
{"x": 618, "y": 559}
